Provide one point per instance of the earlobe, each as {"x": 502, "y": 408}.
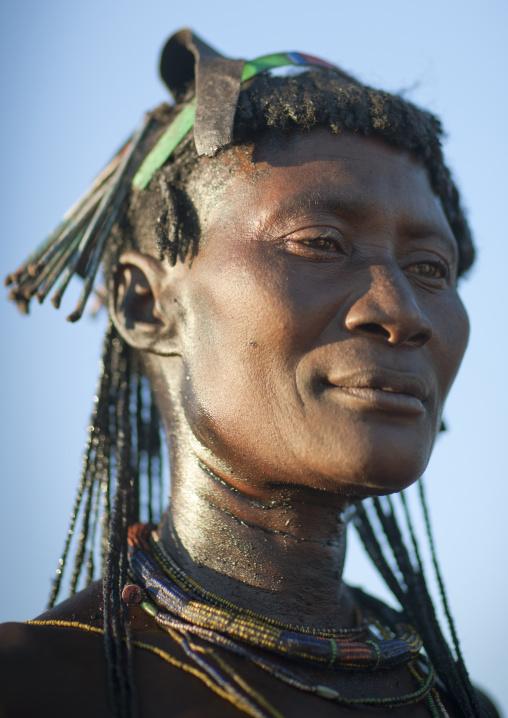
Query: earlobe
{"x": 141, "y": 304}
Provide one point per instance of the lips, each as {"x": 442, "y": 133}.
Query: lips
{"x": 382, "y": 389}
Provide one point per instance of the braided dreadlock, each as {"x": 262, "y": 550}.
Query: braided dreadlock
{"x": 124, "y": 443}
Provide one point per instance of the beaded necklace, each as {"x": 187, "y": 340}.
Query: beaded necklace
{"x": 200, "y": 621}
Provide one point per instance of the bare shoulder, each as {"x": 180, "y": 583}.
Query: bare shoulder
{"x": 46, "y": 668}
{"x": 55, "y": 665}
{"x": 41, "y": 636}
{"x": 488, "y": 706}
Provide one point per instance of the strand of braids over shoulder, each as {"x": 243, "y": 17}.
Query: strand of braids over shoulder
{"x": 96, "y": 461}
{"x": 117, "y": 634}
{"x": 124, "y": 449}
{"x": 409, "y": 586}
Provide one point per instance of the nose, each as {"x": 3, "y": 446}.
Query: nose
{"x": 388, "y": 308}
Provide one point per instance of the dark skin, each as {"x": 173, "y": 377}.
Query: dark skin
{"x": 301, "y": 359}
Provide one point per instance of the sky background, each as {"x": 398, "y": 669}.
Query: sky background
{"x": 75, "y": 79}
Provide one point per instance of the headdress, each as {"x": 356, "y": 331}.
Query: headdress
{"x": 206, "y": 87}
{"x": 124, "y": 435}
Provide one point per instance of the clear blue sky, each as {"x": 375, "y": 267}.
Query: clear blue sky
{"x": 76, "y": 78}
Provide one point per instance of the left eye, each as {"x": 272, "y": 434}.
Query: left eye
{"x": 431, "y": 270}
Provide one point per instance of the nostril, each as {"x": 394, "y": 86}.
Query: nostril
{"x": 393, "y": 336}
{"x": 420, "y": 339}
{"x": 373, "y": 328}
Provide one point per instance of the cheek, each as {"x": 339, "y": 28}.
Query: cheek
{"x": 254, "y": 309}
{"x": 235, "y": 347}
{"x": 450, "y": 340}
{"x": 246, "y": 333}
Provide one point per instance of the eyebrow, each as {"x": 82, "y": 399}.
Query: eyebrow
{"x": 349, "y": 205}
{"x": 334, "y": 202}
{"x": 295, "y": 205}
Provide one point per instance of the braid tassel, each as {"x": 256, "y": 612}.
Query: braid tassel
{"x": 77, "y": 245}
{"x": 411, "y": 590}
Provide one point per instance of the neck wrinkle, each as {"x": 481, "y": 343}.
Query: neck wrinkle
{"x": 281, "y": 554}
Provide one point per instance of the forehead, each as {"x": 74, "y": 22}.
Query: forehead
{"x": 345, "y": 173}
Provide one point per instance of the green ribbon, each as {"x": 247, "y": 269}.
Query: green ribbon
{"x": 181, "y": 125}
{"x": 184, "y": 121}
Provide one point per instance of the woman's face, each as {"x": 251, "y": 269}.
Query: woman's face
{"x": 322, "y": 325}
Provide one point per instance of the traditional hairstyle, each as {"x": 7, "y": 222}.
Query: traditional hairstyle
{"x": 224, "y": 102}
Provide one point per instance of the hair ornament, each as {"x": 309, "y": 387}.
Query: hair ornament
{"x": 206, "y": 85}
{"x": 77, "y": 245}
{"x": 211, "y": 111}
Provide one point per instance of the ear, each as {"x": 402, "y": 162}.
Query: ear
{"x": 142, "y": 304}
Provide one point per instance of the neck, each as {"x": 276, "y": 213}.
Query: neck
{"x": 277, "y": 551}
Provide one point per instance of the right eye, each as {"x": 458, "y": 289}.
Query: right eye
{"x": 323, "y": 246}
{"x": 323, "y": 243}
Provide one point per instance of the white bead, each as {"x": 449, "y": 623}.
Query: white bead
{"x": 326, "y": 692}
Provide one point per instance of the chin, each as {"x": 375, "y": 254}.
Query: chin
{"x": 381, "y": 480}
{"x": 375, "y": 469}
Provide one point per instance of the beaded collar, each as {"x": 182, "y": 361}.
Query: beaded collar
{"x": 201, "y": 622}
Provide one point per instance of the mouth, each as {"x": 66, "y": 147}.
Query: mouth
{"x": 381, "y": 389}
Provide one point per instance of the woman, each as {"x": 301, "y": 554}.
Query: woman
{"x": 284, "y": 279}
